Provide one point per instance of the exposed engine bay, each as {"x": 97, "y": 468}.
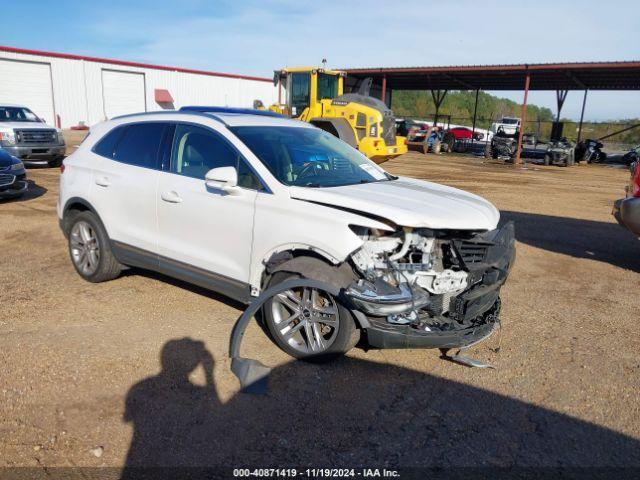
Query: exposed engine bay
{"x": 431, "y": 280}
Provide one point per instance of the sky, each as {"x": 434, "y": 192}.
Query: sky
{"x": 256, "y": 37}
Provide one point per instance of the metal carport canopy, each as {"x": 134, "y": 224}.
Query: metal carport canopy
{"x": 543, "y": 76}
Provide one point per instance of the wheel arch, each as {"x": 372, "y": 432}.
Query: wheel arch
{"x": 76, "y": 204}
{"x": 315, "y": 267}
{"x": 338, "y": 127}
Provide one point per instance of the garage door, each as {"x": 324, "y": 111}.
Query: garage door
{"x": 29, "y": 84}
{"x": 123, "y": 93}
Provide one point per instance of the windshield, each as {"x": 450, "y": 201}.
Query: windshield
{"x": 309, "y": 157}
{"x": 510, "y": 121}
{"x": 17, "y": 114}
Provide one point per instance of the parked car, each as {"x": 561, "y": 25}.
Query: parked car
{"x": 26, "y": 136}
{"x": 465, "y": 133}
{"x": 627, "y": 210}
{"x": 455, "y": 135}
{"x": 405, "y": 125}
{"x": 13, "y": 176}
{"x": 428, "y": 139}
{"x": 509, "y": 125}
{"x": 560, "y": 152}
{"x": 212, "y": 196}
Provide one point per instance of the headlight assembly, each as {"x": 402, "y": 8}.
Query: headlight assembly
{"x": 7, "y": 137}
{"x": 17, "y": 166}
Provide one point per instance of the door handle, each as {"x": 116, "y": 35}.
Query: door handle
{"x": 103, "y": 181}
{"x": 171, "y": 197}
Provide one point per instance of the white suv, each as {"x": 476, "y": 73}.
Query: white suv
{"x": 238, "y": 201}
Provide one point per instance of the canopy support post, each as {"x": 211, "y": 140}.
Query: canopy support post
{"x": 438, "y": 98}
{"x": 561, "y": 96}
{"x": 384, "y": 89}
{"x": 584, "y": 102}
{"x": 523, "y": 119}
{"x": 475, "y": 112}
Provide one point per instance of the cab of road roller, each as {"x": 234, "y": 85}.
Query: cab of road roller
{"x": 316, "y": 95}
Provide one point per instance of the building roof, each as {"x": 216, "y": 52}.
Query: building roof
{"x": 543, "y": 76}
{"x": 125, "y": 63}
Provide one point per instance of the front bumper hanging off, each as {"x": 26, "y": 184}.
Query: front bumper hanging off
{"x": 475, "y": 312}
{"x": 252, "y": 373}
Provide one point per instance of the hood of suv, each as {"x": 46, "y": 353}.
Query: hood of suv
{"x": 410, "y": 203}
{"x": 26, "y": 125}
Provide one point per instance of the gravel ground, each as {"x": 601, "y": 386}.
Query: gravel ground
{"x": 82, "y": 382}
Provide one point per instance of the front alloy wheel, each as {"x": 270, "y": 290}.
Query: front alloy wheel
{"x": 309, "y": 323}
{"x": 306, "y": 319}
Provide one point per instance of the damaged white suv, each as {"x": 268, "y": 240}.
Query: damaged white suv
{"x": 238, "y": 201}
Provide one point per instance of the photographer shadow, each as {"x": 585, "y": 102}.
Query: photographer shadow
{"x": 351, "y": 413}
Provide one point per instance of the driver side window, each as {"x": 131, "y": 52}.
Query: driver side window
{"x": 196, "y": 150}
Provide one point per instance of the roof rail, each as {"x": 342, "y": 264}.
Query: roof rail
{"x": 160, "y": 112}
{"x": 244, "y": 111}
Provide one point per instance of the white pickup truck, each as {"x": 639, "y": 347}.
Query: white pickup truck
{"x": 26, "y": 136}
{"x": 508, "y": 124}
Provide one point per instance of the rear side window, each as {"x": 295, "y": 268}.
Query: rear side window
{"x": 139, "y": 144}
{"x": 107, "y": 145}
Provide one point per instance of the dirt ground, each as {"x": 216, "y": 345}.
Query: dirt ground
{"x": 82, "y": 382}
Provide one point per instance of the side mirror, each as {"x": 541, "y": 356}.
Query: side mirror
{"x": 222, "y": 178}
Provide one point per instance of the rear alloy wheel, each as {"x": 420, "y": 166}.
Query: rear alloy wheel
{"x": 84, "y": 248}
{"x": 90, "y": 249}
{"x": 310, "y": 324}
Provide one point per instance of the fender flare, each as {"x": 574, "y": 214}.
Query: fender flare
{"x": 313, "y": 268}
{"x": 341, "y": 126}
{"x": 253, "y": 374}
{"x": 76, "y": 201}
{"x": 259, "y": 269}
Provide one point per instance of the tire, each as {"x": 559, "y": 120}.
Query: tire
{"x": 90, "y": 249}
{"x": 547, "y": 160}
{"x": 487, "y": 151}
{"x": 571, "y": 159}
{"x": 448, "y": 141}
{"x": 436, "y": 148}
{"x": 55, "y": 163}
{"x": 338, "y": 341}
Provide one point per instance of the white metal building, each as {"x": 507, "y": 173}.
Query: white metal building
{"x": 67, "y": 90}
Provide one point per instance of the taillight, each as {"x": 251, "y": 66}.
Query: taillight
{"x": 62, "y": 167}
{"x": 635, "y": 183}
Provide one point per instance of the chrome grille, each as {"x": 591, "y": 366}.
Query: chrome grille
{"x": 6, "y": 179}
{"x": 35, "y": 136}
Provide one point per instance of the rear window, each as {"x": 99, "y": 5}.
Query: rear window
{"x": 139, "y": 144}
{"x": 107, "y": 145}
